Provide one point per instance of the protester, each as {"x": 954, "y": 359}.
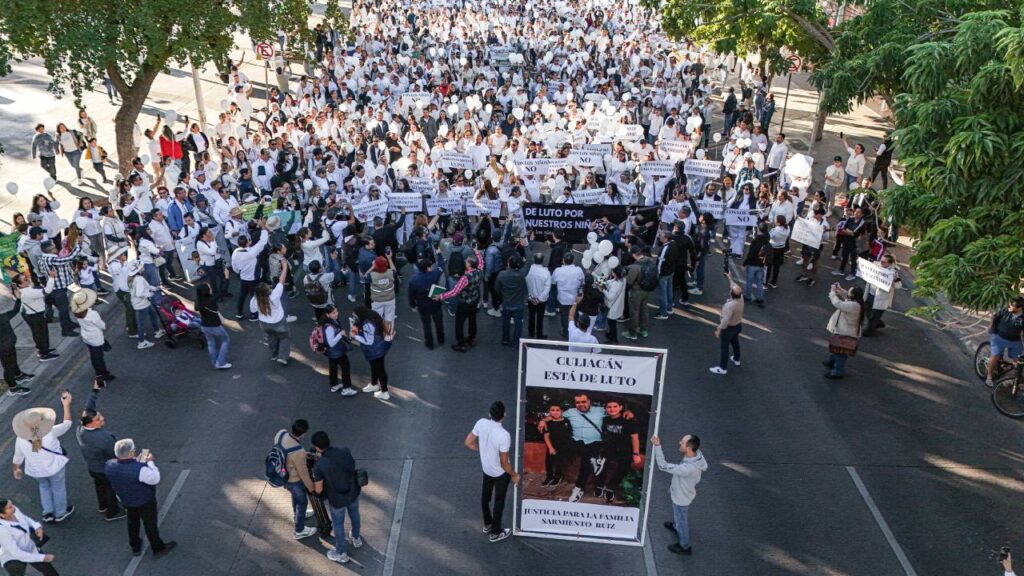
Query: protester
{"x": 492, "y": 441}
{"x": 728, "y": 330}
{"x": 92, "y": 327}
{"x": 641, "y": 280}
{"x": 13, "y": 376}
{"x": 33, "y": 310}
{"x": 685, "y": 477}
{"x": 299, "y": 482}
{"x": 218, "y": 342}
{"x": 879, "y": 300}
{"x": 134, "y": 478}
{"x": 568, "y": 280}
{"x": 18, "y": 548}
{"x": 266, "y": 305}
{"x": 38, "y": 453}
{"x": 428, "y": 275}
{"x": 368, "y": 329}
{"x": 335, "y": 476}
{"x": 97, "y": 446}
{"x": 467, "y": 291}
{"x": 846, "y": 321}
{"x": 142, "y": 293}
{"x": 336, "y": 342}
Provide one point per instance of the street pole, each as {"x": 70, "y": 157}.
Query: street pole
{"x": 266, "y": 81}
{"x": 785, "y": 105}
{"x": 199, "y": 97}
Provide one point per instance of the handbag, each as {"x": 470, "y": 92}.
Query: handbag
{"x": 362, "y": 477}
{"x": 843, "y": 345}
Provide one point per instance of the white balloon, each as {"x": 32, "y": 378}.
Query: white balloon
{"x": 49, "y": 183}
{"x": 453, "y": 109}
{"x": 144, "y": 159}
{"x": 586, "y": 261}
{"x": 689, "y": 128}
{"x": 419, "y": 104}
{"x": 468, "y": 173}
{"x": 701, "y": 154}
{"x": 225, "y": 104}
{"x": 587, "y": 254}
{"x": 488, "y": 108}
{"x": 307, "y": 184}
{"x": 613, "y": 262}
{"x": 442, "y": 130}
{"x": 605, "y": 247}
{"x": 12, "y": 187}
{"x": 716, "y": 137}
{"x": 591, "y": 237}
{"x": 533, "y": 108}
{"x": 170, "y": 117}
{"x": 598, "y": 258}
{"x": 518, "y": 113}
{"x": 762, "y": 146}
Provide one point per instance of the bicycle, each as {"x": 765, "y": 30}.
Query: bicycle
{"x": 1008, "y": 392}
{"x": 981, "y": 356}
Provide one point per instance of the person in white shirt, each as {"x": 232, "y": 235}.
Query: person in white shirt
{"x": 243, "y": 262}
{"x": 17, "y": 548}
{"x": 92, "y": 326}
{"x": 685, "y": 477}
{"x": 568, "y": 279}
{"x": 134, "y": 479}
{"x": 615, "y": 298}
{"x": 141, "y": 293}
{"x": 119, "y": 284}
{"x": 266, "y": 305}
{"x": 854, "y": 164}
{"x": 580, "y": 330}
{"x": 33, "y": 309}
{"x": 164, "y": 240}
{"x": 835, "y": 176}
{"x": 492, "y": 441}
{"x": 538, "y": 289}
{"x": 38, "y": 453}
{"x": 776, "y": 158}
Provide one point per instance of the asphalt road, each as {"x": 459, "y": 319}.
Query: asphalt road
{"x": 943, "y": 469}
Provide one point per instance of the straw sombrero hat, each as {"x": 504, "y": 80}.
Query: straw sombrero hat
{"x": 33, "y": 424}
{"x": 82, "y": 300}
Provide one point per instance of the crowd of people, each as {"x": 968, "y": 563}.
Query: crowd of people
{"x": 403, "y": 160}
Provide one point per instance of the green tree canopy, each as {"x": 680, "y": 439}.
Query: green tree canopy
{"x": 960, "y": 126}
{"x": 134, "y": 40}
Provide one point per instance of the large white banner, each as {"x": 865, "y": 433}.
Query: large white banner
{"x": 449, "y": 205}
{"x": 411, "y": 201}
{"x": 706, "y": 168}
{"x": 456, "y": 161}
{"x": 873, "y": 273}
{"x": 657, "y": 168}
{"x": 367, "y": 211}
{"x": 587, "y": 158}
{"x": 807, "y": 232}
{"x": 594, "y": 410}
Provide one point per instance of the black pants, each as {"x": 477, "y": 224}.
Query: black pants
{"x": 616, "y": 467}
{"x": 729, "y": 337}
{"x": 378, "y": 374}
{"x": 129, "y": 312}
{"x": 874, "y": 320}
{"x": 40, "y": 332}
{"x": 883, "y": 170}
{"x": 147, "y": 515}
{"x": 49, "y": 163}
{"x": 18, "y": 568}
{"x": 346, "y": 371}
{"x": 60, "y": 300}
{"x": 680, "y": 278}
{"x": 499, "y": 488}
{"x": 215, "y": 276}
{"x": 612, "y": 336}
{"x": 9, "y": 359}
{"x": 535, "y": 320}
{"x": 105, "y": 494}
{"x": 585, "y": 453}
{"x": 849, "y": 252}
{"x": 99, "y": 364}
{"x": 492, "y": 291}
{"x": 245, "y": 292}
{"x": 434, "y": 318}
{"x": 464, "y": 312}
{"x": 775, "y": 259}
{"x": 554, "y": 464}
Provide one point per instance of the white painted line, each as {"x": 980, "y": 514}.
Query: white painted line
{"x": 900, "y": 555}
{"x": 396, "y": 520}
{"x": 652, "y": 567}
{"x": 134, "y": 564}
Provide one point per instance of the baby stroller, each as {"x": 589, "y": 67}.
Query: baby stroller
{"x": 178, "y": 321}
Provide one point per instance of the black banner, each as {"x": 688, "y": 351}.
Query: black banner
{"x": 572, "y": 219}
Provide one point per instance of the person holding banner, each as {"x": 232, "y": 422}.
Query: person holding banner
{"x": 745, "y": 199}
{"x": 809, "y": 255}
{"x": 878, "y": 299}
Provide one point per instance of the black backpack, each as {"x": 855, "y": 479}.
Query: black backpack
{"x": 648, "y": 280}
{"x": 314, "y": 290}
{"x": 276, "y": 463}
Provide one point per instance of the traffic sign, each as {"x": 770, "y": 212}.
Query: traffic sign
{"x": 264, "y": 51}
{"x": 795, "y": 63}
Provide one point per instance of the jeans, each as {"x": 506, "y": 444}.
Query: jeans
{"x": 300, "y": 500}
{"x": 353, "y": 282}
{"x": 535, "y": 324}
{"x": 217, "y": 344}
{"x": 75, "y": 160}
{"x": 280, "y": 341}
{"x": 432, "y": 322}
{"x": 105, "y": 494}
{"x": 698, "y": 275}
{"x": 49, "y": 163}
{"x": 167, "y": 270}
{"x": 60, "y": 300}
{"x": 215, "y": 276}
{"x": 729, "y": 337}
{"x": 665, "y": 295}
{"x": 99, "y": 365}
{"x": 147, "y": 313}
{"x": 499, "y": 488}
{"x": 552, "y": 304}
{"x": 515, "y": 314}
{"x": 147, "y": 516}
{"x": 338, "y": 519}
{"x": 838, "y": 362}
{"x": 53, "y": 493}
{"x": 680, "y": 515}
{"x": 754, "y": 286}
{"x": 151, "y": 274}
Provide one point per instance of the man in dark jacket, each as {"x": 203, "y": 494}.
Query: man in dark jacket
{"x": 428, "y": 275}
{"x": 384, "y": 235}
{"x": 511, "y": 285}
{"x": 756, "y": 260}
{"x": 334, "y": 476}
{"x": 687, "y": 260}
{"x": 558, "y": 249}
{"x": 97, "y": 446}
{"x": 729, "y": 111}
{"x": 134, "y": 482}
{"x": 668, "y": 257}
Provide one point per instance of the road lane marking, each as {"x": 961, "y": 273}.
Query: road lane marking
{"x": 882, "y": 524}
{"x": 134, "y": 564}
{"x": 396, "y": 520}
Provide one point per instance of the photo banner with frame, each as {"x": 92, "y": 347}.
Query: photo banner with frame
{"x": 598, "y": 412}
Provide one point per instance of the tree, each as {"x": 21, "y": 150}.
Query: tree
{"x": 960, "y": 128}
{"x": 770, "y": 28}
{"x": 134, "y": 40}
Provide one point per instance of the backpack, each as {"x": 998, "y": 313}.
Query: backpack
{"x": 276, "y": 463}
{"x": 318, "y": 340}
{"x": 314, "y": 290}
{"x": 648, "y": 279}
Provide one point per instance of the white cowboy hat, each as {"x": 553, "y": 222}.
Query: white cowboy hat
{"x": 82, "y": 300}
{"x": 34, "y": 423}
{"x": 117, "y": 254}
{"x": 273, "y": 223}
{"x": 133, "y": 267}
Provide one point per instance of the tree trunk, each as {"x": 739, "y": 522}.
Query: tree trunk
{"x": 133, "y": 97}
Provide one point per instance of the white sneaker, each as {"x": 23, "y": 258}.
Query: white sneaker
{"x": 333, "y": 556}
{"x": 696, "y": 292}
{"x": 224, "y": 366}
{"x": 336, "y": 387}
{"x": 356, "y": 542}
{"x": 382, "y": 396}
{"x": 800, "y": 262}
{"x": 549, "y": 314}
{"x": 291, "y": 318}
{"x": 351, "y": 298}
{"x": 735, "y": 361}
{"x": 371, "y": 388}
{"x": 306, "y": 533}
{"x": 349, "y": 392}
{"x": 577, "y": 493}
{"x": 810, "y": 266}
{"x": 160, "y": 334}
{"x": 493, "y": 312}
{"x": 281, "y": 361}
{"x": 717, "y": 370}
{"x": 144, "y": 344}
{"x": 837, "y": 272}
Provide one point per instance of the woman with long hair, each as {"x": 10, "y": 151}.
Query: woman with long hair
{"x": 217, "y": 340}
{"x": 845, "y": 321}
{"x": 336, "y": 341}
{"x": 368, "y": 331}
{"x": 266, "y": 304}
{"x": 46, "y": 206}
{"x": 70, "y": 146}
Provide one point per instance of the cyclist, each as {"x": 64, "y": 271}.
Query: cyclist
{"x": 1005, "y": 334}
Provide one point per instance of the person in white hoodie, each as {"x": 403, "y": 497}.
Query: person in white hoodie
{"x": 685, "y": 477}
